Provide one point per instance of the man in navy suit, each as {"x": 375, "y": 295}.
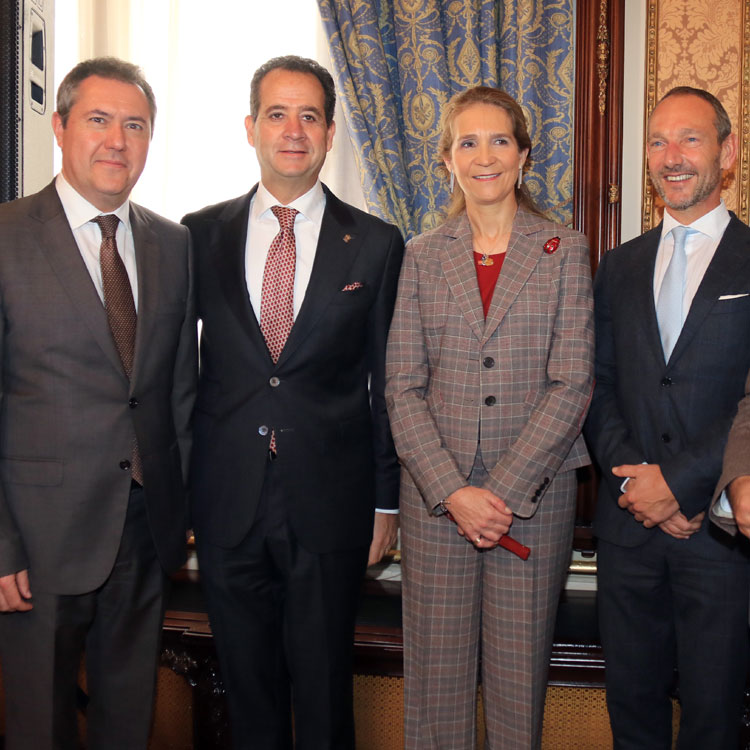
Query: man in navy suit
{"x": 673, "y": 326}
{"x": 293, "y": 450}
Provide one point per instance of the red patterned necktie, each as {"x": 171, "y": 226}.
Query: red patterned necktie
{"x": 120, "y": 307}
{"x": 277, "y": 294}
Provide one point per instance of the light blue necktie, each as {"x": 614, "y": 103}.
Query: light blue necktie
{"x": 669, "y": 312}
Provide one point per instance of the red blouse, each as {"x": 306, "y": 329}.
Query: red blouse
{"x": 487, "y": 276}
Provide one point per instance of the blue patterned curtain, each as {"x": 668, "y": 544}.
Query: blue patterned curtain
{"x": 396, "y": 64}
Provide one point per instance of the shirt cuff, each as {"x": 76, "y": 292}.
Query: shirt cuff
{"x": 387, "y": 511}
{"x": 722, "y": 508}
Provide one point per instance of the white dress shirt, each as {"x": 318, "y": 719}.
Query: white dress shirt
{"x": 263, "y": 226}
{"x": 700, "y": 247}
{"x": 88, "y": 236}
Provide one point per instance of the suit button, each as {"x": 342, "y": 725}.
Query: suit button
{"x": 488, "y": 362}
{"x": 125, "y": 465}
{"x": 665, "y": 438}
{"x": 666, "y": 382}
{"x": 546, "y": 481}
{"x": 263, "y": 430}
{"x": 490, "y": 400}
{"x": 133, "y": 403}
{"x": 274, "y": 382}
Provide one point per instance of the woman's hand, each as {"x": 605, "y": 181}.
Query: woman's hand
{"x": 481, "y": 517}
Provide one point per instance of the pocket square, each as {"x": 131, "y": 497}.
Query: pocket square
{"x": 354, "y": 285}
{"x": 733, "y": 296}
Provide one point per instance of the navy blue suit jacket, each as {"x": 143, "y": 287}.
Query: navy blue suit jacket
{"x": 324, "y": 397}
{"x": 676, "y": 414}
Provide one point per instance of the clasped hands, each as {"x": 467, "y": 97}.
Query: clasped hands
{"x": 648, "y": 497}
{"x": 481, "y": 516}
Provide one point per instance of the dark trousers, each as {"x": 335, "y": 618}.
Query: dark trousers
{"x": 283, "y": 623}
{"x": 118, "y": 625}
{"x": 662, "y": 606}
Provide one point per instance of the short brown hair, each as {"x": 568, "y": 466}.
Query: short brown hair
{"x": 497, "y": 98}
{"x": 104, "y": 67}
{"x": 721, "y": 119}
{"x": 295, "y": 64}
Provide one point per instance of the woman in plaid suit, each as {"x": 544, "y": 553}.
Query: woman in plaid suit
{"x": 489, "y": 378}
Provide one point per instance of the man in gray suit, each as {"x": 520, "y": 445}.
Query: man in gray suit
{"x": 97, "y": 381}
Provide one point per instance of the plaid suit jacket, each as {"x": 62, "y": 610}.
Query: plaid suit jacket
{"x": 520, "y": 381}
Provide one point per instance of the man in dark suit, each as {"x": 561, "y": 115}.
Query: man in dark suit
{"x": 293, "y": 450}
{"x": 99, "y": 366}
{"x": 672, "y": 325}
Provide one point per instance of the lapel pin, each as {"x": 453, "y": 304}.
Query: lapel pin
{"x": 347, "y": 237}
{"x": 550, "y": 246}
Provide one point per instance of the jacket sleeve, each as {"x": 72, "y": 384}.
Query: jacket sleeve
{"x": 185, "y": 377}
{"x": 420, "y": 448}
{"x": 12, "y": 554}
{"x": 607, "y": 433}
{"x": 379, "y": 321}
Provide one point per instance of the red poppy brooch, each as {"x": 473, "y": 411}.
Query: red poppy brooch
{"x": 550, "y": 246}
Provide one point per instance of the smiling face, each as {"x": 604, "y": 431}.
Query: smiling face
{"x": 105, "y": 140}
{"x": 484, "y": 156}
{"x": 290, "y": 134}
{"x": 685, "y": 158}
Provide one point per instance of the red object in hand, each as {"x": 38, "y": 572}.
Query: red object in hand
{"x": 507, "y": 542}
{"x": 515, "y": 547}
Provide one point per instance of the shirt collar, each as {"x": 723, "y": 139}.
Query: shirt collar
{"x": 79, "y": 211}
{"x": 311, "y": 205}
{"x": 711, "y": 224}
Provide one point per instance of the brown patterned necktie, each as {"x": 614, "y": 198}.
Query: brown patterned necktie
{"x": 277, "y": 294}
{"x": 120, "y": 307}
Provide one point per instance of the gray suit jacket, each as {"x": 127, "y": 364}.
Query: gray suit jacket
{"x": 68, "y": 414}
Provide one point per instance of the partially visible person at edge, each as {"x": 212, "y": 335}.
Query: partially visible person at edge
{"x": 672, "y": 331}
{"x": 488, "y": 379}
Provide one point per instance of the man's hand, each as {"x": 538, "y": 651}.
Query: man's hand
{"x": 480, "y": 516}
{"x": 681, "y": 527}
{"x": 383, "y": 536}
{"x": 15, "y": 592}
{"x": 647, "y": 495}
{"x": 738, "y": 493}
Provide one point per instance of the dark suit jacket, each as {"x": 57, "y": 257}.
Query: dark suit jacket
{"x": 68, "y": 413}
{"x": 335, "y": 451}
{"x": 676, "y": 414}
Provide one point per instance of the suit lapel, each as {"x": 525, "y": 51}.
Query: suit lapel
{"x": 521, "y": 258}
{"x": 57, "y": 243}
{"x": 460, "y": 274}
{"x": 149, "y": 281}
{"x": 228, "y": 255}
{"x": 339, "y": 243}
{"x": 731, "y": 256}
{"x": 642, "y": 260}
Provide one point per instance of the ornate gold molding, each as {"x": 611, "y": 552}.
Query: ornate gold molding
{"x": 652, "y": 25}
{"x": 739, "y": 186}
{"x": 743, "y": 158}
{"x": 602, "y": 56}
